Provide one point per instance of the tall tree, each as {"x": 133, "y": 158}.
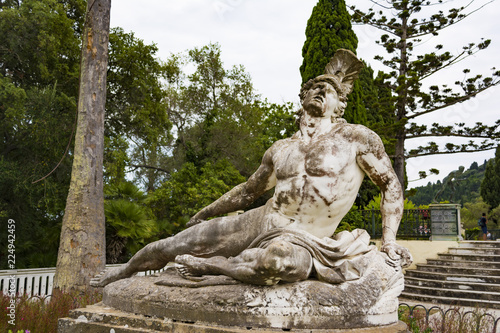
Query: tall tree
{"x": 82, "y": 247}
{"x": 215, "y": 111}
{"x": 136, "y": 112}
{"x": 403, "y": 25}
{"x": 39, "y": 47}
{"x": 329, "y": 29}
{"x": 490, "y": 186}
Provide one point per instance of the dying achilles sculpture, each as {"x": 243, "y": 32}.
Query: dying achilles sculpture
{"x": 316, "y": 175}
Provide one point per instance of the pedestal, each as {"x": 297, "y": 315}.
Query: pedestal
{"x": 368, "y": 304}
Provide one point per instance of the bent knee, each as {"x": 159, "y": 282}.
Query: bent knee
{"x": 280, "y": 249}
{"x": 286, "y": 260}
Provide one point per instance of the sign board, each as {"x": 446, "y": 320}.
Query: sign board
{"x": 444, "y": 222}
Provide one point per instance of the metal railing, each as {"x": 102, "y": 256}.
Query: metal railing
{"x": 452, "y": 320}
{"x": 415, "y": 223}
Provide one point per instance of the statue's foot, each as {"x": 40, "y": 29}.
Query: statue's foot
{"x": 190, "y": 267}
{"x": 107, "y": 276}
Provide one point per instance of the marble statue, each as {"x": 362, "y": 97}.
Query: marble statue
{"x": 316, "y": 175}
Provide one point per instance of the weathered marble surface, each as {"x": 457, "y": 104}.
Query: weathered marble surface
{"x": 367, "y": 302}
{"x": 102, "y": 319}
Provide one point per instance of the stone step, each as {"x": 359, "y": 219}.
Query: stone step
{"x": 464, "y": 263}
{"x": 480, "y": 244}
{"x": 452, "y": 277}
{"x": 452, "y": 301}
{"x": 99, "y": 318}
{"x": 459, "y": 270}
{"x": 455, "y": 293}
{"x": 474, "y": 250}
{"x": 471, "y": 257}
{"x": 475, "y": 286}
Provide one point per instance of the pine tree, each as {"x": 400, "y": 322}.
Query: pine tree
{"x": 404, "y": 26}
{"x": 490, "y": 186}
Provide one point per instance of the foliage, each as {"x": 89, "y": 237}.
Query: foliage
{"x": 30, "y": 149}
{"x": 472, "y": 211}
{"x": 129, "y": 222}
{"x": 375, "y": 203}
{"x": 490, "y": 186}
{"x": 39, "y": 61}
{"x": 415, "y": 320}
{"x": 494, "y": 217}
{"x": 189, "y": 190}
{"x": 40, "y": 314}
{"x": 329, "y": 29}
{"x": 403, "y": 27}
{"x": 465, "y": 189}
{"x": 135, "y": 109}
{"x": 39, "y": 64}
{"x": 39, "y": 43}
{"x": 352, "y": 220}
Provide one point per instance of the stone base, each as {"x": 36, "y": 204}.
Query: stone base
{"x": 367, "y": 302}
{"x": 101, "y": 319}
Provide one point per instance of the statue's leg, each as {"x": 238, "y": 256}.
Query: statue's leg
{"x": 281, "y": 260}
{"x": 226, "y": 236}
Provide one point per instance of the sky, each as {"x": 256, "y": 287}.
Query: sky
{"x": 266, "y": 37}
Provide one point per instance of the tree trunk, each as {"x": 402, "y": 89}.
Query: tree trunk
{"x": 399, "y": 161}
{"x": 82, "y": 247}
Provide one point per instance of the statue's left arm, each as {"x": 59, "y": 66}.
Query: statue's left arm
{"x": 374, "y": 161}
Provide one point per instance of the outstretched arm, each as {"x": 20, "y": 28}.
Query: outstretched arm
{"x": 377, "y": 165}
{"x": 243, "y": 194}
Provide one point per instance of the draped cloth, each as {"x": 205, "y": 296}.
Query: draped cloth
{"x": 344, "y": 257}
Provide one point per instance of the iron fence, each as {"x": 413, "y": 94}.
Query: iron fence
{"x": 415, "y": 223}
{"x": 452, "y": 320}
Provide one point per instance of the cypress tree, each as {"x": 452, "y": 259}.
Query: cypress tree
{"x": 329, "y": 29}
{"x": 490, "y": 186}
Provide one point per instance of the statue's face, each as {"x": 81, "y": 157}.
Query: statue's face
{"x": 321, "y": 100}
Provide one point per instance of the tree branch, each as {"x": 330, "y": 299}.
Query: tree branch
{"x": 136, "y": 166}
{"x": 458, "y": 100}
{"x": 448, "y": 152}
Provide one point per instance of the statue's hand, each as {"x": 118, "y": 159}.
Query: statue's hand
{"x": 398, "y": 252}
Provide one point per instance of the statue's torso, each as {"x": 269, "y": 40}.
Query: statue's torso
{"x": 317, "y": 181}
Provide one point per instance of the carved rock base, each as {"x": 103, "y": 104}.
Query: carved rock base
{"x": 101, "y": 319}
{"x": 367, "y": 302}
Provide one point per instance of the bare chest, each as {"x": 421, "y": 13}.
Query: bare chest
{"x": 328, "y": 157}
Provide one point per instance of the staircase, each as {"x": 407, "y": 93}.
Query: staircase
{"x": 468, "y": 275}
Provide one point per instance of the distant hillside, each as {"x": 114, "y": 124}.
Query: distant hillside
{"x": 463, "y": 187}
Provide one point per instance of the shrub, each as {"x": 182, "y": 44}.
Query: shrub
{"x": 40, "y": 314}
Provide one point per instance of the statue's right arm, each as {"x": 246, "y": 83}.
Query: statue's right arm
{"x": 243, "y": 194}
